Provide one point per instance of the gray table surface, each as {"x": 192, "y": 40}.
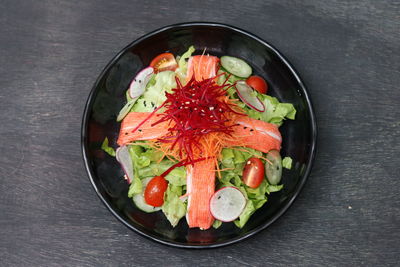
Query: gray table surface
{"x": 347, "y": 52}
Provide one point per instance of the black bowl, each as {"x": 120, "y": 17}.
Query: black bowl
{"x": 108, "y": 96}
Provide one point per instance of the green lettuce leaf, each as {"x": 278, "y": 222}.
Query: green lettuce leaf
{"x": 139, "y": 159}
{"x": 247, "y": 212}
{"x": 258, "y": 203}
{"x": 177, "y": 176}
{"x": 227, "y": 153}
{"x": 135, "y": 187}
{"x": 275, "y": 112}
{"x": 152, "y": 154}
{"x": 182, "y": 62}
{"x": 217, "y": 224}
{"x": 109, "y": 150}
{"x": 287, "y": 162}
{"x": 235, "y": 160}
{"x": 146, "y": 164}
{"x": 273, "y": 188}
{"x": 154, "y": 95}
{"x": 173, "y": 208}
{"x": 257, "y": 193}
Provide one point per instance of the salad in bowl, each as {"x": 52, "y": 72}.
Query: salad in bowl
{"x": 199, "y": 139}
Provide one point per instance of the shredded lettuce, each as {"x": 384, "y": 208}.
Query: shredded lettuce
{"x": 151, "y": 154}
{"x": 176, "y": 177}
{"x": 146, "y": 164}
{"x": 217, "y": 224}
{"x": 247, "y": 212}
{"x": 227, "y": 153}
{"x": 182, "y": 62}
{"x": 135, "y": 187}
{"x": 154, "y": 95}
{"x": 273, "y": 188}
{"x": 139, "y": 159}
{"x": 256, "y": 199}
{"x": 275, "y": 112}
{"x": 257, "y": 193}
{"x": 234, "y": 158}
{"x": 109, "y": 150}
{"x": 173, "y": 208}
{"x": 287, "y": 163}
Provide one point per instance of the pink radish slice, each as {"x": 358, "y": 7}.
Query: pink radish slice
{"x": 124, "y": 158}
{"x": 227, "y": 204}
{"x": 245, "y": 93}
{"x": 138, "y": 85}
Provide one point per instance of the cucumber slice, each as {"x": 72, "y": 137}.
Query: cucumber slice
{"x": 273, "y": 168}
{"x": 125, "y": 110}
{"x": 139, "y": 201}
{"x": 236, "y": 66}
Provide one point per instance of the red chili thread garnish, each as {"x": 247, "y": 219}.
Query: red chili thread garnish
{"x": 196, "y": 109}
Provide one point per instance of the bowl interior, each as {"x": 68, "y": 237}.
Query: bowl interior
{"x": 108, "y": 96}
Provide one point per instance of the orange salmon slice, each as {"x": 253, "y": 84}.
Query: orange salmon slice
{"x": 256, "y": 134}
{"x": 200, "y": 188}
{"x": 202, "y": 67}
{"x": 145, "y": 132}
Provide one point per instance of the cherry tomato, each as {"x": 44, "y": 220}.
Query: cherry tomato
{"x": 253, "y": 172}
{"x": 165, "y": 61}
{"x": 258, "y": 84}
{"x": 155, "y": 189}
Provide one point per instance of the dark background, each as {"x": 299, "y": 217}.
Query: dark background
{"x": 348, "y": 54}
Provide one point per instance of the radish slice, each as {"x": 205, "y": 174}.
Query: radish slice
{"x": 124, "y": 158}
{"x": 138, "y": 85}
{"x": 227, "y": 204}
{"x": 245, "y": 93}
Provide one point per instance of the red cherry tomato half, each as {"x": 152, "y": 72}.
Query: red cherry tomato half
{"x": 162, "y": 62}
{"x": 258, "y": 84}
{"x": 155, "y": 189}
{"x": 253, "y": 172}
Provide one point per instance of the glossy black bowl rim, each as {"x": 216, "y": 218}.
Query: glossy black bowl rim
{"x": 91, "y": 174}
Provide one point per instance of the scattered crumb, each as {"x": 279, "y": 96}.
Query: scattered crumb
{"x": 350, "y": 207}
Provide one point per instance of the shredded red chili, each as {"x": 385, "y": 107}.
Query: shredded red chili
{"x": 197, "y": 109}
